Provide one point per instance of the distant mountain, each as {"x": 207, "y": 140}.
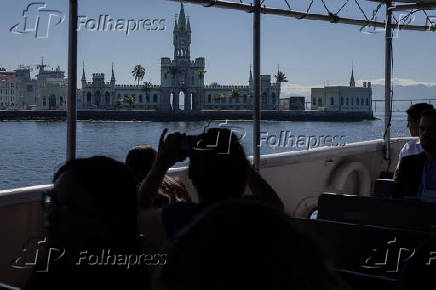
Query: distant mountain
{"x": 406, "y": 92}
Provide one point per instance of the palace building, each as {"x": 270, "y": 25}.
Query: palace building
{"x": 180, "y": 76}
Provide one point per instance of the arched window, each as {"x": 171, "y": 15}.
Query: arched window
{"x": 88, "y": 98}
{"x": 367, "y": 102}
{"x": 154, "y": 98}
{"x": 342, "y": 101}
{"x": 61, "y": 101}
{"x": 352, "y": 101}
{"x": 357, "y": 101}
{"x": 273, "y": 98}
{"x": 245, "y": 98}
{"x": 264, "y": 98}
{"x": 314, "y": 101}
{"x": 319, "y": 102}
{"x": 141, "y": 99}
{"x": 44, "y": 101}
{"x": 107, "y": 97}
{"x": 332, "y": 101}
{"x": 346, "y": 102}
{"x": 209, "y": 98}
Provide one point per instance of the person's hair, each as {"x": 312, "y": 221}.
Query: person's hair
{"x": 139, "y": 161}
{"x": 415, "y": 110}
{"x": 429, "y": 113}
{"x": 172, "y": 190}
{"x": 241, "y": 244}
{"x": 218, "y": 166}
{"x": 113, "y": 189}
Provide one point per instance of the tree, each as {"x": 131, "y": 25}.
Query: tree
{"x": 201, "y": 73}
{"x": 147, "y": 87}
{"x": 138, "y": 73}
{"x": 130, "y": 101}
{"x": 281, "y": 77}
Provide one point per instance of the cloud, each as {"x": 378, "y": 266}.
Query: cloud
{"x": 402, "y": 82}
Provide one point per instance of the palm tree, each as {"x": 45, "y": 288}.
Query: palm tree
{"x": 138, "y": 73}
{"x": 201, "y": 73}
{"x": 147, "y": 87}
{"x": 281, "y": 77}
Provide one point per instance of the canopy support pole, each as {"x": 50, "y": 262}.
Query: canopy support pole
{"x": 388, "y": 80}
{"x": 256, "y": 64}
{"x": 72, "y": 81}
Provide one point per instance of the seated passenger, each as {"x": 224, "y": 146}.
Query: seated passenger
{"x": 417, "y": 173}
{"x": 218, "y": 169}
{"x": 239, "y": 244}
{"x": 91, "y": 213}
{"x": 413, "y": 147}
{"x": 139, "y": 160}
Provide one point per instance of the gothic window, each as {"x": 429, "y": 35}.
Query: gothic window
{"x": 209, "y": 98}
{"x": 141, "y": 98}
{"x": 361, "y": 101}
{"x": 367, "y": 101}
{"x": 314, "y": 101}
{"x": 61, "y": 101}
{"x": 273, "y": 98}
{"x": 88, "y": 98}
{"x": 44, "y": 101}
{"x": 357, "y": 101}
{"x": 107, "y": 98}
{"x": 264, "y": 99}
{"x": 192, "y": 80}
{"x": 147, "y": 99}
{"x": 352, "y": 101}
{"x": 319, "y": 102}
{"x": 346, "y": 101}
{"x": 154, "y": 98}
{"x": 342, "y": 101}
{"x": 332, "y": 101}
{"x": 245, "y": 98}
{"x": 165, "y": 75}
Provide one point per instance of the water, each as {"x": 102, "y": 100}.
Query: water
{"x": 31, "y": 151}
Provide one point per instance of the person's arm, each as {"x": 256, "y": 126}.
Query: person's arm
{"x": 168, "y": 154}
{"x": 261, "y": 189}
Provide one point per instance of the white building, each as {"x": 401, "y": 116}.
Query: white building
{"x": 10, "y": 96}
{"x": 343, "y": 98}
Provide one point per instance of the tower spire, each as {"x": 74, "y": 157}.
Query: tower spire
{"x": 182, "y": 18}
{"x": 352, "y": 82}
{"x": 83, "y": 73}
{"x": 251, "y": 75}
{"x": 188, "y": 26}
{"x": 113, "y": 74}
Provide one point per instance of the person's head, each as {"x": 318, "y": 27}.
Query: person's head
{"x": 171, "y": 190}
{"x": 241, "y": 244}
{"x": 427, "y": 130}
{"x": 139, "y": 161}
{"x": 414, "y": 115}
{"x": 218, "y": 165}
{"x": 93, "y": 204}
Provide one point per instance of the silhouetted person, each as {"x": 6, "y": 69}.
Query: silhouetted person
{"x": 139, "y": 160}
{"x": 241, "y": 244}
{"x": 218, "y": 170}
{"x": 92, "y": 208}
{"x": 417, "y": 173}
{"x": 413, "y": 147}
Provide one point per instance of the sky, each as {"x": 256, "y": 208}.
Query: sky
{"x": 311, "y": 53}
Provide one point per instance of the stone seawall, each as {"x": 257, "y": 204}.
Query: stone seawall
{"x": 158, "y": 116}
